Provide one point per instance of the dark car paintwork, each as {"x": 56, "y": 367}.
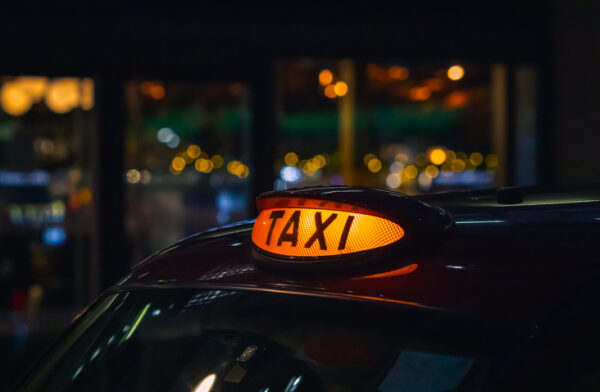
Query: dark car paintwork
{"x": 516, "y": 264}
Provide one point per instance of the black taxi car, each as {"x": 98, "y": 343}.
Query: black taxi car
{"x": 354, "y": 289}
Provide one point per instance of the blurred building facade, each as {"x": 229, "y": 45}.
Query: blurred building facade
{"x": 121, "y": 135}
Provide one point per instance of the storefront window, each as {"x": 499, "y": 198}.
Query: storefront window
{"x": 406, "y": 127}
{"x": 187, "y": 160}
{"x": 46, "y": 128}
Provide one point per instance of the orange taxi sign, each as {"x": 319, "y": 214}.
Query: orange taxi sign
{"x": 309, "y": 228}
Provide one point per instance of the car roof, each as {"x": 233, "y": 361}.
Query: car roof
{"x": 510, "y": 262}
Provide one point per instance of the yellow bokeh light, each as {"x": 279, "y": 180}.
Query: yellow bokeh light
{"x": 210, "y": 167}
{"x": 133, "y": 176}
{"x": 291, "y": 158}
{"x": 491, "y": 161}
{"x": 85, "y": 196}
{"x": 232, "y": 167}
{"x": 178, "y": 164}
{"x": 186, "y": 157}
{"x": 319, "y": 160}
{"x": 432, "y": 171}
{"x": 204, "y": 165}
{"x": 238, "y": 169}
{"x": 87, "y": 93}
{"x": 456, "y": 72}
{"x": 462, "y": 155}
{"x": 63, "y": 95}
{"x": 217, "y": 161}
{"x": 194, "y": 151}
{"x": 476, "y": 159}
{"x": 14, "y": 99}
{"x": 341, "y": 89}
{"x": 458, "y": 165}
{"x": 437, "y": 156}
{"x": 325, "y": 77}
{"x": 401, "y": 157}
{"x": 368, "y": 157}
{"x": 245, "y": 172}
{"x": 330, "y": 91}
{"x": 450, "y": 155}
{"x": 374, "y": 165}
{"x": 310, "y": 167}
{"x": 34, "y": 86}
{"x": 410, "y": 172}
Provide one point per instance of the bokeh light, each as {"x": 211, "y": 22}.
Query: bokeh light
{"x": 204, "y": 165}
{"x": 398, "y": 73}
{"x": 217, "y": 161}
{"x": 193, "y": 151}
{"x": 325, "y": 77}
{"x": 14, "y": 100}
{"x": 476, "y": 158}
{"x": 35, "y": 86}
{"x": 133, "y": 176}
{"x": 63, "y": 95}
{"x": 374, "y": 165}
{"x": 410, "y": 172}
{"x": 330, "y": 91}
{"x": 457, "y": 99}
{"x": 491, "y": 161}
{"x": 455, "y": 72}
{"x": 341, "y": 89}
{"x": 437, "y": 156}
{"x": 432, "y": 171}
{"x": 290, "y": 174}
{"x": 291, "y": 159}
{"x": 458, "y": 165}
{"x": 393, "y": 180}
{"x": 87, "y": 93}
{"x": 419, "y": 93}
{"x": 178, "y": 163}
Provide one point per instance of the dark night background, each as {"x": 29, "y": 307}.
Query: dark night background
{"x": 122, "y": 130}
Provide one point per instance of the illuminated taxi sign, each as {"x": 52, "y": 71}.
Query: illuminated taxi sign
{"x": 339, "y": 224}
{"x": 312, "y": 228}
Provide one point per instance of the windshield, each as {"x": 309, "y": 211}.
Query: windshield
{"x": 215, "y": 340}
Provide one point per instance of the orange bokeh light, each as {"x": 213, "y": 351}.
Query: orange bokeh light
{"x": 457, "y": 99}
{"x": 313, "y": 232}
{"x": 398, "y": 73}
{"x": 420, "y": 93}
{"x": 330, "y": 91}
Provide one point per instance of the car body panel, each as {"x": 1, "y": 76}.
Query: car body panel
{"x": 513, "y": 263}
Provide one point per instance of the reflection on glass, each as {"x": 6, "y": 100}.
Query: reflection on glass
{"x": 413, "y": 372}
{"x": 208, "y": 341}
{"x": 206, "y": 384}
